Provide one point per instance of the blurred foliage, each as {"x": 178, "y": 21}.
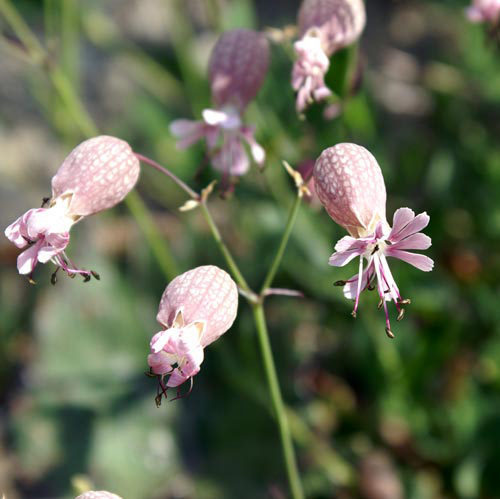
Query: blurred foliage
{"x": 423, "y": 410}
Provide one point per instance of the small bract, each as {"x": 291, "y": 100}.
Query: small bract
{"x": 95, "y": 176}
{"x": 196, "y": 308}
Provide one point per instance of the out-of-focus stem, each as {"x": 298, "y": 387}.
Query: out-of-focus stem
{"x": 233, "y": 267}
{"x": 281, "y": 249}
{"x": 170, "y": 175}
{"x": 146, "y": 223}
{"x": 277, "y": 400}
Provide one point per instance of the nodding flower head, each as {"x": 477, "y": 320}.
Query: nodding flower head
{"x": 350, "y": 185}
{"x": 325, "y": 26}
{"x": 196, "y": 308}
{"x": 98, "y": 494}
{"x": 484, "y": 11}
{"x": 237, "y": 68}
{"x": 95, "y": 176}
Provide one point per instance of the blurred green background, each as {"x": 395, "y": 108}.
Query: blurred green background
{"x": 416, "y": 417}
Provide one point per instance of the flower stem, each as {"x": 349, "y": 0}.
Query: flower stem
{"x": 169, "y": 174}
{"x": 233, "y": 267}
{"x": 277, "y": 400}
{"x": 284, "y": 240}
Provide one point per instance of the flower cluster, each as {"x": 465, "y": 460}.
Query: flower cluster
{"x": 237, "y": 69}
{"x": 350, "y": 185}
{"x": 325, "y": 26}
{"x": 196, "y": 308}
{"x": 96, "y": 175}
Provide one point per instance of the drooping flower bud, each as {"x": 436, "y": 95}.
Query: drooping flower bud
{"x": 325, "y": 26}
{"x": 95, "y": 176}
{"x": 237, "y": 68}
{"x": 350, "y": 185}
{"x": 98, "y": 494}
{"x": 196, "y": 308}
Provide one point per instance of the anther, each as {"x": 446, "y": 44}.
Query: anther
{"x": 31, "y": 281}
{"x": 53, "y": 277}
{"x": 96, "y": 275}
{"x": 158, "y": 399}
{"x": 353, "y": 313}
{"x": 380, "y": 304}
{"x": 374, "y": 250}
{"x": 371, "y": 287}
{"x": 389, "y": 333}
{"x": 406, "y": 301}
{"x": 340, "y": 283}
{"x": 401, "y": 314}
{"x": 45, "y": 201}
{"x": 86, "y": 277}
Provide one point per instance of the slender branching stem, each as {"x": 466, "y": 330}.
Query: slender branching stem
{"x": 281, "y": 249}
{"x": 277, "y": 401}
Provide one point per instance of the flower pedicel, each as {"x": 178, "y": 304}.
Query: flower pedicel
{"x": 95, "y": 176}
{"x": 237, "y": 68}
{"x": 350, "y": 185}
{"x": 325, "y": 26}
{"x": 196, "y": 308}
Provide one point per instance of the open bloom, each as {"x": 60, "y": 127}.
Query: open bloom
{"x": 98, "y": 494}
{"x": 95, "y": 176}
{"x": 350, "y": 185}
{"x": 237, "y": 68}
{"x": 484, "y": 11}
{"x": 325, "y": 26}
{"x": 196, "y": 308}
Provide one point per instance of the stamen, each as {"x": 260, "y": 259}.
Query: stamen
{"x": 96, "y": 275}
{"x": 340, "y": 283}
{"x": 406, "y": 301}
{"x": 179, "y": 396}
{"x": 53, "y": 277}
{"x": 374, "y": 250}
{"x": 389, "y": 333}
{"x": 358, "y": 291}
{"x": 401, "y": 314}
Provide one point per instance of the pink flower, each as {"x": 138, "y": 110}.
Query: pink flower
{"x": 98, "y": 494}
{"x": 96, "y": 175}
{"x": 196, "y": 308}
{"x": 350, "y": 185}
{"x": 483, "y": 11}
{"x": 325, "y": 26}
{"x": 237, "y": 68}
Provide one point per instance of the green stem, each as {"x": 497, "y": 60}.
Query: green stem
{"x": 277, "y": 400}
{"x": 284, "y": 240}
{"x": 233, "y": 267}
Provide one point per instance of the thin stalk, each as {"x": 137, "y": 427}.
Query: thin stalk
{"x": 277, "y": 401}
{"x": 192, "y": 194}
{"x": 233, "y": 267}
{"x": 284, "y": 240}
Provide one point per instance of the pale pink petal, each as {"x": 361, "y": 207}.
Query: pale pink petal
{"x": 52, "y": 245}
{"x": 98, "y": 494}
{"x": 214, "y": 117}
{"x": 351, "y": 288}
{"x": 27, "y": 260}
{"x": 416, "y": 225}
{"x": 188, "y": 132}
{"x": 257, "y": 151}
{"x": 402, "y": 217}
{"x": 160, "y": 363}
{"x": 417, "y": 241}
{"x": 14, "y": 235}
{"x": 422, "y": 262}
{"x": 232, "y": 158}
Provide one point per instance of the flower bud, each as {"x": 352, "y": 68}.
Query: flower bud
{"x": 196, "y": 308}
{"x": 237, "y": 67}
{"x": 349, "y": 183}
